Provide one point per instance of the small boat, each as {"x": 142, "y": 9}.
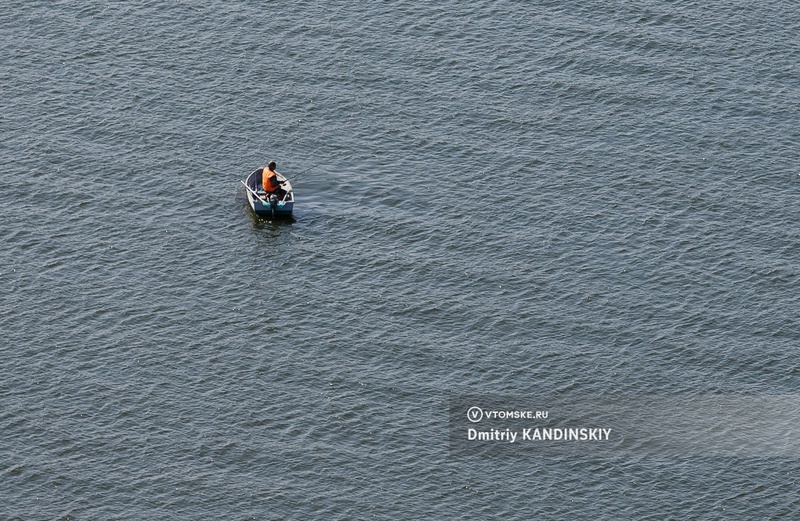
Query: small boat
{"x": 278, "y": 205}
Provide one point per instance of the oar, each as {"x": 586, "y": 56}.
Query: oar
{"x": 265, "y": 203}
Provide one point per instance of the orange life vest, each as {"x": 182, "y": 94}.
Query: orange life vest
{"x": 269, "y": 181}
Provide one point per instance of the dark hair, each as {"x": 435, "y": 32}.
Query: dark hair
{"x": 271, "y": 165}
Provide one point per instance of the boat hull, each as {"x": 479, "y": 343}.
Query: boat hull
{"x": 262, "y": 208}
{"x": 267, "y": 206}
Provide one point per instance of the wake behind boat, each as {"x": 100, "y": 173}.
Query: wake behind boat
{"x": 276, "y": 205}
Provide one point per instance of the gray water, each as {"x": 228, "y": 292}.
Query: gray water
{"x": 493, "y": 198}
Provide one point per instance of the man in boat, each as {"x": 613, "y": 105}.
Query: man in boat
{"x": 269, "y": 179}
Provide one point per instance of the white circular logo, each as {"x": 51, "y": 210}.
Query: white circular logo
{"x": 475, "y": 414}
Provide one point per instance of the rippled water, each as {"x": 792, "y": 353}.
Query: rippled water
{"x": 549, "y": 198}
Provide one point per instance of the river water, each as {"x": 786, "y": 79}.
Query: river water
{"x": 501, "y": 198}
